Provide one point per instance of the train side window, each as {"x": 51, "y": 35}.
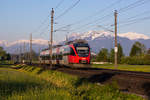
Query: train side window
{"x": 72, "y": 52}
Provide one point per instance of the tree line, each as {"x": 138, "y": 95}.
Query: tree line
{"x": 139, "y": 55}
{"x": 17, "y": 57}
{"x": 4, "y": 55}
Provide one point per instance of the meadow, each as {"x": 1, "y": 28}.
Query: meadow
{"x": 33, "y": 83}
{"x": 141, "y": 68}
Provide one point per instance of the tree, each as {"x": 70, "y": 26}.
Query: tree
{"x": 2, "y": 53}
{"x": 26, "y": 55}
{"x": 8, "y": 56}
{"x": 120, "y": 53}
{"x": 137, "y": 49}
{"x": 103, "y": 55}
{"x": 148, "y": 51}
{"x": 111, "y": 56}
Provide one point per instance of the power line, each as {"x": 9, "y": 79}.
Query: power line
{"x": 67, "y": 10}
{"x": 111, "y": 14}
{"x": 44, "y": 30}
{"x": 47, "y": 18}
{"x": 57, "y": 6}
{"x": 133, "y": 17}
{"x": 133, "y": 5}
{"x": 136, "y": 16}
{"x": 93, "y": 15}
{"x": 139, "y": 19}
{"x": 135, "y": 21}
{"x": 89, "y": 23}
{"x": 41, "y": 25}
{"x": 99, "y": 12}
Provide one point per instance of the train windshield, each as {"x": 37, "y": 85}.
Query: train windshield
{"x": 82, "y": 50}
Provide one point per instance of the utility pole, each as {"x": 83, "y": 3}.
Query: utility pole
{"x": 24, "y": 47}
{"x": 31, "y": 48}
{"x": 51, "y": 37}
{"x": 20, "y": 57}
{"x": 116, "y": 44}
{"x": 39, "y": 56}
{"x": 66, "y": 38}
{"x": 18, "y": 54}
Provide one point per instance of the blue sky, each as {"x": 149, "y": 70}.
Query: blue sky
{"x": 19, "y": 18}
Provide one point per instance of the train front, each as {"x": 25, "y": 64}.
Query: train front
{"x": 81, "y": 52}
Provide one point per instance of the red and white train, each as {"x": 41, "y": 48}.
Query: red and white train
{"x": 74, "y": 52}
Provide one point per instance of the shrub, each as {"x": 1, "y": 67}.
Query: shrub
{"x": 136, "y": 60}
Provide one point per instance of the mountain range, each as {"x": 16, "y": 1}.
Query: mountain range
{"x": 101, "y": 39}
{"x": 96, "y": 39}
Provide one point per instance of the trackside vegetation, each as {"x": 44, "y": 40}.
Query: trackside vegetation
{"x": 139, "y": 55}
{"x": 32, "y": 83}
{"x": 141, "y": 68}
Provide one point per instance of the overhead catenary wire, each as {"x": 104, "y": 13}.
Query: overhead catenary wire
{"x": 92, "y": 15}
{"x": 41, "y": 24}
{"x": 132, "y": 5}
{"x": 135, "y": 4}
{"x": 134, "y": 21}
{"x": 132, "y": 17}
{"x": 138, "y": 15}
{"x": 95, "y": 21}
{"x": 59, "y": 3}
{"x": 98, "y": 12}
{"x": 67, "y": 10}
{"x": 89, "y": 23}
{"x": 47, "y": 18}
{"x": 139, "y": 2}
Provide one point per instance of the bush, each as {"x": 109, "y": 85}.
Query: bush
{"x": 136, "y": 60}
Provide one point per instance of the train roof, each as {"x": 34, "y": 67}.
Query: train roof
{"x": 69, "y": 42}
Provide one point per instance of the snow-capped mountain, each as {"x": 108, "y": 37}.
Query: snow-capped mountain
{"x": 34, "y": 41}
{"x": 3, "y": 43}
{"x": 91, "y": 35}
{"x": 96, "y": 40}
{"x": 12, "y": 47}
{"x": 102, "y": 39}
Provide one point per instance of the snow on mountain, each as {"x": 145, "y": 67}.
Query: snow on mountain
{"x": 97, "y": 34}
{"x": 36, "y": 44}
{"x": 3, "y": 43}
{"x": 96, "y": 40}
{"x": 91, "y": 35}
{"x": 134, "y": 36}
{"x": 102, "y": 39}
{"x": 34, "y": 41}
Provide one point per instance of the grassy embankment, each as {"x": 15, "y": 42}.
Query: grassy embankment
{"x": 142, "y": 68}
{"x": 30, "y": 83}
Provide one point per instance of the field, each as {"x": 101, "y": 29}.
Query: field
{"x": 32, "y": 83}
{"x": 142, "y": 68}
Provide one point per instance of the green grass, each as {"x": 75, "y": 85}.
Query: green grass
{"x": 30, "y": 83}
{"x": 6, "y": 62}
{"x": 142, "y": 68}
